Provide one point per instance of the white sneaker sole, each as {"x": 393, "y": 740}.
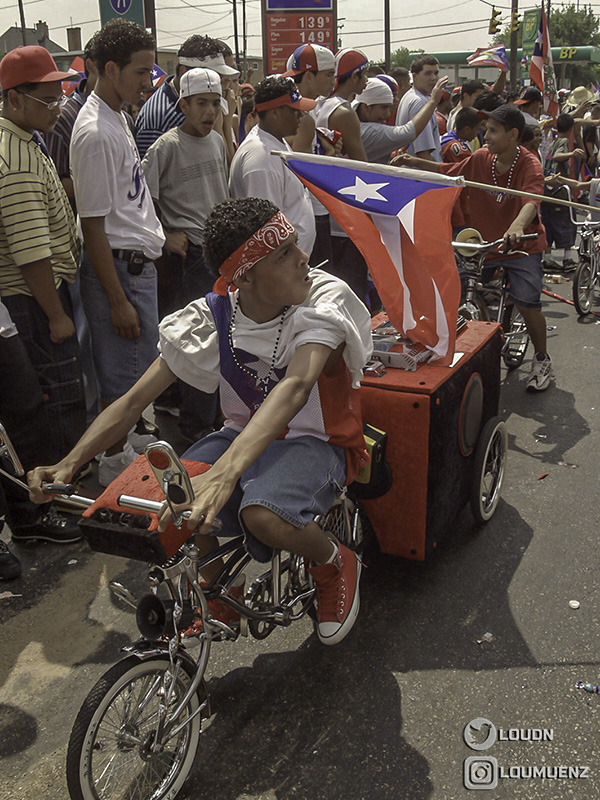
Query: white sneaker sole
{"x": 533, "y": 387}
{"x": 347, "y": 624}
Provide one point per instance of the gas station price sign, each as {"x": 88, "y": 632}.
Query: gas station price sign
{"x": 286, "y": 24}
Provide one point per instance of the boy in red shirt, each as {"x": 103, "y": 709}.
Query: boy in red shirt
{"x": 456, "y": 147}
{"x": 505, "y": 164}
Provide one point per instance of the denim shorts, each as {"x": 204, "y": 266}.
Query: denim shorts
{"x": 295, "y": 478}
{"x": 560, "y": 229}
{"x": 120, "y": 362}
{"x": 525, "y": 276}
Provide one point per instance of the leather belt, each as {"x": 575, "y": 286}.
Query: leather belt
{"x": 132, "y": 256}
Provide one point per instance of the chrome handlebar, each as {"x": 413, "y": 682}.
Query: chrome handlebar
{"x": 66, "y": 491}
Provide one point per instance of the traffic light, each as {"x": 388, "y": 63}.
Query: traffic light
{"x": 494, "y": 21}
{"x": 514, "y": 22}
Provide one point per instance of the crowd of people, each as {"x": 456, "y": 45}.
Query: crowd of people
{"x": 109, "y": 225}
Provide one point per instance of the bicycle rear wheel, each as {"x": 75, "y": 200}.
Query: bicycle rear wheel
{"x": 110, "y": 754}
{"x": 583, "y": 288}
{"x": 516, "y": 338}
{"x": 349, "y": 523}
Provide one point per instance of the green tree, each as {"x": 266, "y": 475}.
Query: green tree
{"x": 400, "y": 57}
{"x": 569, "y": 27}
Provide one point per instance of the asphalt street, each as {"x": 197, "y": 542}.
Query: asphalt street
{"x": 482, "y": 629}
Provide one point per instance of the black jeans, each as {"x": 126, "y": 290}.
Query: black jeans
{"x": 57, "y": 369}
{"x": 188, "y": 279}
{"x": 23, "y": 412}
{"x": 322, "y": 250}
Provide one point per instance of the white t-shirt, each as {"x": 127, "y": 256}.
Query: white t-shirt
{"x": 321, "y": 113}
{"x": 429, "y": 138}
{"x": 109, "y": 181}
{"x": 331, "y": 314}
{"x": 256, "y": 173}
{"x": 187, "y": 177}
{"x": 325, "y": 108}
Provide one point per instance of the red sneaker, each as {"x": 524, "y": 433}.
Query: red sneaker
{"x": 338, "y": 599}
{"x": 220, "y": 610}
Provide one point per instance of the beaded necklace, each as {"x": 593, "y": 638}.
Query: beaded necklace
{"x": 500, "y": 196}
{"x": 262, "y": 383}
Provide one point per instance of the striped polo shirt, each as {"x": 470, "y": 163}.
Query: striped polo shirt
{"x": 159, "y": 114}
{"x": 36, "y": 220}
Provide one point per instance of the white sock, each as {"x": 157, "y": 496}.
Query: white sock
{"x": 336, "y": 549}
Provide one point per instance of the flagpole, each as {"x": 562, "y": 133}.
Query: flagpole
{"x": 383, "y": 169}
{"x": 555, "y": 201}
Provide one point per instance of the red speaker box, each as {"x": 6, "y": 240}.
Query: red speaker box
{"x": 433, "y": 418}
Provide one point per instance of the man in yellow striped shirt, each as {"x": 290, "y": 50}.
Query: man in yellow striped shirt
{"x": 39, "y": 247}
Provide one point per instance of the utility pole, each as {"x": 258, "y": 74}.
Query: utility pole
{"x": 245, "y": 41}
{"x": 235, "y": 33}
{"x": 514, "y": 30}
{"x": 22, "y": 12}
{"x": 150, "y": 17}
{"x": 386, "y": 35}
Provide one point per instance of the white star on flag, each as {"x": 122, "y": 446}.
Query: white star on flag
{"x": 362, "y": 191}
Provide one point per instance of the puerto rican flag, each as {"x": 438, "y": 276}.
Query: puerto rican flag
{"x": 541, "y": 68}
{"x": 158, "y": 75}
{"x": 78, "y": 67}
{"x": 400, "y": 221}
{"x": 489, "y": 57}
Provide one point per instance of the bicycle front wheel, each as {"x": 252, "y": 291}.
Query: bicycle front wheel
{"x": 110, "y": 754}
{"x": 583, "y": 288}
{"x": 474, "y": 309}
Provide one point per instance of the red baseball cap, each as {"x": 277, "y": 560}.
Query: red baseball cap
{"x": 348, "y": 61}
{"x": 293, "y": 98}
{"x": 30, "y": 64}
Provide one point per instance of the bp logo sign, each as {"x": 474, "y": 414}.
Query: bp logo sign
{"x": 530, "y": 25}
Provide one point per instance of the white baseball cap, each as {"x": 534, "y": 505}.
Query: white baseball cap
{"x": 307, "y": 57}
{"x": 201, "y": 81}
{"x": 376, "y": 91}
{"x": 216, "y": 63}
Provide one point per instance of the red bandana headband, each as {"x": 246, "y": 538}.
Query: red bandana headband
{"x": 258, "y": 246}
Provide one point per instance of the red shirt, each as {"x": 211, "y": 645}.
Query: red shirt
{"x": 453, "y": 151}
{"x": 492, "y": 218}
{"x": 456, "y": 150}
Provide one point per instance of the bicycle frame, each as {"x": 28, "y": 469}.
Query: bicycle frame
{"x": 473, "y": 265}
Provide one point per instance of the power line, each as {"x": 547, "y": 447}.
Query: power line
{"x": 420, "y": 27}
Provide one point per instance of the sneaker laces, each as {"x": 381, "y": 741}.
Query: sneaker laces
{"x": 331, "y": 589}
{"x": 541, "y": 366}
